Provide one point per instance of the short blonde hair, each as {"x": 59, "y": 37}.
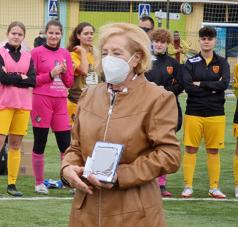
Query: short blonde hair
{"x": 138, "y": 41}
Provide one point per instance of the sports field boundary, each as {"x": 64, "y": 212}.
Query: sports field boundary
{"x": 71, "y": 198}
{"x": 201, "y": 199}
{"x": 34, "y": 198}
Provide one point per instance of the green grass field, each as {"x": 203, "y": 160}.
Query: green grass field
{"x": 53, "y": 212}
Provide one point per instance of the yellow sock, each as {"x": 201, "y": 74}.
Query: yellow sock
{"x": 213, "y": 167}
{"x": 13, "y": 163}
{"x": 235, "y": 168}
{"x": 189, "y": 163}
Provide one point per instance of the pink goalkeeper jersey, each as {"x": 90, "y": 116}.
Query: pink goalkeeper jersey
{"x": 45, "y": 60}
{"x": 12, "y": 97}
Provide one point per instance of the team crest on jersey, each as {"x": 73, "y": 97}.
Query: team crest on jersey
{"x": 170, "y": 70}
{"x": 216, "y": 68}
{"x": 38, "y": 119}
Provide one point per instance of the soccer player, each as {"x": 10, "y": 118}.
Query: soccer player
{"x": 235, "y": 132}
{"x": 54, "y": 74}
{"x": 17, "y": 76}
{"x": 206, "y": 77}
{"x": 82, "y": 54}
{"x": 165, "y": 72}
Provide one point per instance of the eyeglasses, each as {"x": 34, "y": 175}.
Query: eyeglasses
{"x": 146, "y": 29}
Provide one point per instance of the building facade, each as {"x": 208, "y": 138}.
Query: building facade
{"x": 223, "y": 15}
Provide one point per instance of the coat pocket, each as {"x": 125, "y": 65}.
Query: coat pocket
{"x": 132, "y": 201}
{"x": 79, "y": 199}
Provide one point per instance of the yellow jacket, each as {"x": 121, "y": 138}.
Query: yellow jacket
{"x": 79, "y": 80}
{"x": 235, "y": 83}
{"x": 187, "y": 51}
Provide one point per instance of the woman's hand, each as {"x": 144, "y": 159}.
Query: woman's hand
{"x": 23, "y": 76}
{"x": 80, "y": 50}
{"x": 95, "y": 182}
{"x": 4, "y": 69}
{"x": 64, "y": 67}
{"x": 72, "y": 174}
{"x": 57, "y": 70}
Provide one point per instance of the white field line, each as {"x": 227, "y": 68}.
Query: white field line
{"x": 34, "y": 198}
{"x": 70, "y": 198}
{"x": 200, "y": 199}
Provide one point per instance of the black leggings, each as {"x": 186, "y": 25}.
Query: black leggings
{"x": 40, "y": 139}
{"x": 235, "y": 120}
{"x": 180, "y": 116}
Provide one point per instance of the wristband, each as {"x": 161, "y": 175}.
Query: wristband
{"x": 65, "y": 182}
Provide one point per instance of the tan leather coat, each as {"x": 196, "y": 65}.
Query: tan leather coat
{"x": 144, "y": 119}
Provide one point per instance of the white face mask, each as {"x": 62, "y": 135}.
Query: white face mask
{"x": 115, "y": 69}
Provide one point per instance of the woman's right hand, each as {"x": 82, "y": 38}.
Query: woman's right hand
{"x": 72, "y": 174}
{"x": 56, "y": 71}
{"x": 80, "y": 50}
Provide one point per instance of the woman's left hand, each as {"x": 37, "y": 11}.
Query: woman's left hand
{"x": 96, "y": 183}
{"x": 23, "y": 76}
{"x": 4, "y": 69}
{"x": 64, "y": 67}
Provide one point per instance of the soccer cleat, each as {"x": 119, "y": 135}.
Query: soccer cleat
{"x": 187, "y": 192}
{"x": 236, "y": 192}
{"x": 164, "y": 192}
{"x": 12, "y": 190}
{"x": 216, "y": 193}
{"x": 41, "y": 189}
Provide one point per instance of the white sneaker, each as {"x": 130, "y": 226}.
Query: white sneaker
{"x": 236, "y": 192}
{"x": 216, "y": 193}
{"x": 187, "y": 192}
{"x": 41, "y": 189}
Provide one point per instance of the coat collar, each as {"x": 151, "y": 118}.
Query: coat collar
{"x": 133, "y": 84}
{"x": 214, "y": 58}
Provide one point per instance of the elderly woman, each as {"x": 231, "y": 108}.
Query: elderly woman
{"x": 128, "y": 110}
